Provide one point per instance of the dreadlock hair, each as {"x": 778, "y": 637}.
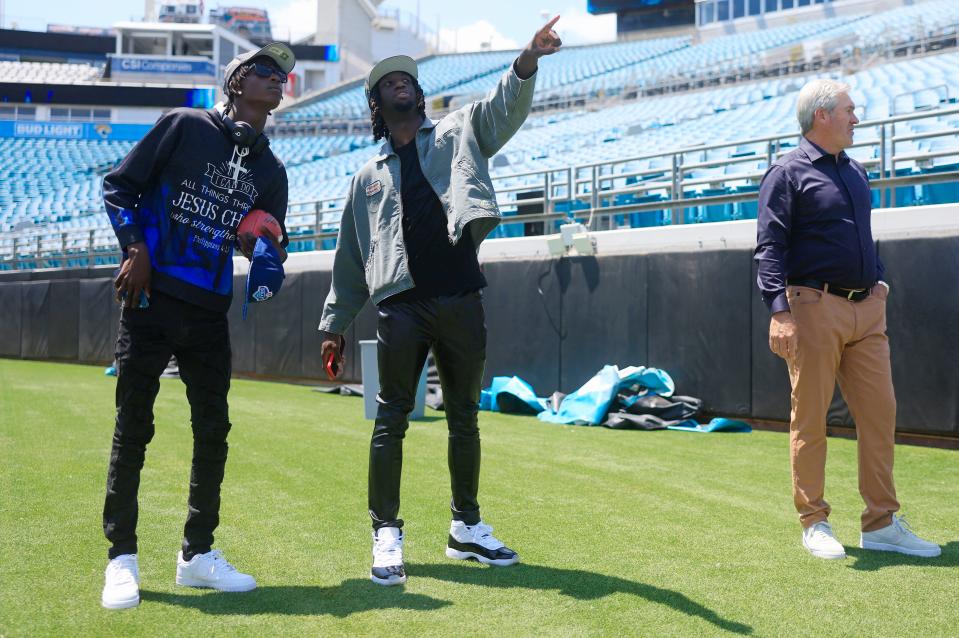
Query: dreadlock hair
{"x": 380, "y": 129}
{"x": 233, "y": 87}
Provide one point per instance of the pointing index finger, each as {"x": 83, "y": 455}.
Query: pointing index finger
{"x": 549, "y": 25}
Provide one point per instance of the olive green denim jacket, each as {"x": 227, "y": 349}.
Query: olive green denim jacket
{"x": 371, "y": 260}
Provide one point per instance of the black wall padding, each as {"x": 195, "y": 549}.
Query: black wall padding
{"x": 523, "y": 326}
{"x": 314, "y": 286}
{"x": 697, "y": 315}
{"x": 699, "y": 325}
{"x": 48, "y": 274}
{"x": 34, "y": 329}
{"x": 49, "y": 321}
{"x": 604, "y": 305}
{"x": 923, "y": 316}
{"x": 770, "y": 377}
{"x": 242, "y": 333}
{"x": 64, "y": 319}
{"x": 279, "y": 334}
{"x": 10, "y": 301}
{"x": 96, "y": 329}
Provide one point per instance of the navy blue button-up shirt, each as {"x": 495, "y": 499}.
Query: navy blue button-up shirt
{"x": 814, "y": 223}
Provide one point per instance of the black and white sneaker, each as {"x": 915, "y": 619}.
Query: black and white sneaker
{"x": 388, "y": 557}
{"x": 478, "y": 543}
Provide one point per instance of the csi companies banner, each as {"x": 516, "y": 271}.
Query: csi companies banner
{"x": 73, "y": 130}
{"x": 124, "y": 64}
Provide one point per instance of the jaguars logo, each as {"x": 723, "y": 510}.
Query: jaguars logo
{"x": 262, "y": 294}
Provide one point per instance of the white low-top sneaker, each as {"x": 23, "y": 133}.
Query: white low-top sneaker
{"x": 818, "y": 539}
{"x": 213, "y": 571}
{"x": 121, "y": 583}
{"x": 388, "y": 568}
{"x": 478, "y": 543}
{"x": 897, "y": 537}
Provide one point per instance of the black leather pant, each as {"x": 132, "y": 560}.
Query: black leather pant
{"x": 455, "y": 328}
{"x": 200, "y": 339}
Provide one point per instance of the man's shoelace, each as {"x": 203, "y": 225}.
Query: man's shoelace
{"x": 121, "y": 571}
{"x": 484, "y": 534}
{"x": 220, "y": 564}
{"x": 902, "y": 525}
{"x": 822, "y": 531}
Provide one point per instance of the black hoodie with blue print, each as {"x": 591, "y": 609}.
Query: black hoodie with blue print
{"x": 183, "y": 190}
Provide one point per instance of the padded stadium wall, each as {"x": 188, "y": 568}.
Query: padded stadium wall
{"x": 683, "y": 299}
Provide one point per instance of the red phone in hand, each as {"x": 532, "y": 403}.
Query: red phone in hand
{"x": 331, "y": 368}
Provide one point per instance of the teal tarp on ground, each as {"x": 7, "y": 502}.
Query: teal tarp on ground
{"x": 586, "y": 406}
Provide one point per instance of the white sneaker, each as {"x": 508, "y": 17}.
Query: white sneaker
{"x": 820, "y": 542}
{"x": 213, "y": 571}
{"x": 478, "y": 543}
{"x": 121, "y": 586}
{"x": 388, "y": 566}
{"x": 897, "y": 537}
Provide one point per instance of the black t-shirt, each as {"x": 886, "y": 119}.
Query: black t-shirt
{"x": 437, "y": 266}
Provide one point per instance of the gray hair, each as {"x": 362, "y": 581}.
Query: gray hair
{"x": 817, "y": 94}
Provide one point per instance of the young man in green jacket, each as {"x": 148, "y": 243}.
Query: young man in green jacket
{"x": 414, "y": 218}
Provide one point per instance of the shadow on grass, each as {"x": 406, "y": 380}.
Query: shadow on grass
{"x": 868, "y": 560}
{"x": 349, "y": 597}
{"x": 578, "y": 584}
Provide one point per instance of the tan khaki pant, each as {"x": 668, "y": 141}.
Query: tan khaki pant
{"x": 845, "y": 341}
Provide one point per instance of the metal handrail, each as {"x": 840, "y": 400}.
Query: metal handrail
{"x": 603, "y": 213}
{"x": 593, "y": 184}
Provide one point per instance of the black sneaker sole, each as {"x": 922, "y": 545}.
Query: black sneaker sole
{"x": 469, "y": 555}
{"x": 388, "y": 582}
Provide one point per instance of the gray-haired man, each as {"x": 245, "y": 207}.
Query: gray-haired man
{"x": 821, "y": 277}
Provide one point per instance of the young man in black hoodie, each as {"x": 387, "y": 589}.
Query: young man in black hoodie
{"x": 175, "y": 203}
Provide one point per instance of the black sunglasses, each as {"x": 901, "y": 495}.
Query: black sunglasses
{"x": 268, "y": 70}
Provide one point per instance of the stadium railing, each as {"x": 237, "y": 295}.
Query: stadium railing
{"x": 603, "y": 195}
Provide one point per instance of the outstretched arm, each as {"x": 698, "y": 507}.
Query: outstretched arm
{"x": 497, "y": 117}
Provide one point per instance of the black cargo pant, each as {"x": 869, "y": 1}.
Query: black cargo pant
{"x": 200, "y": 339}
{"x": 455, "y": 328}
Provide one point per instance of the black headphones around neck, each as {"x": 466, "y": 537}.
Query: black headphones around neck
{"x": 243, "y": 134}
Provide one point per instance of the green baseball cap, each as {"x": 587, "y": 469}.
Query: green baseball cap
{"x": 276, "y": 51}
{"x": 403, "y": 63}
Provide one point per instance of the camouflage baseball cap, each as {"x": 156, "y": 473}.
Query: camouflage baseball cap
{"x": 276, "y": 51}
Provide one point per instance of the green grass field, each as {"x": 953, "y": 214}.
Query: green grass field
{"x": 620, "y": 533}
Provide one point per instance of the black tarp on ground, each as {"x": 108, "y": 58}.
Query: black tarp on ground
{"x": 603, "y": 316}
{"x": 523, "y": 326}
{"x": 279, "y": 335}
{"x": 96, "y": 331}
{"x": 699, "y": 325}
{"x": 10, "y": 301}
{"x": 922, "y": 317}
